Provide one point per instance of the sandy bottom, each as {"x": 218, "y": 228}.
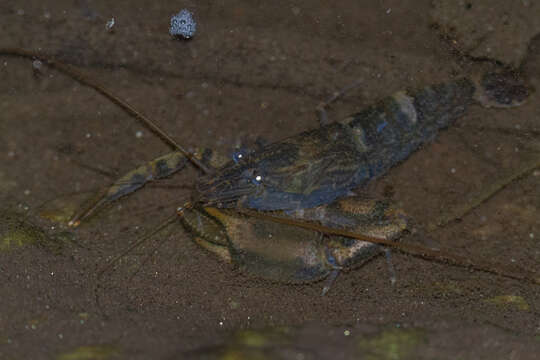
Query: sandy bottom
{"x": 253, "y": 69}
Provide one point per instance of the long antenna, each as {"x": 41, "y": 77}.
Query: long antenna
{"x": 66, "y": 69}
{"x": 138, "y": 243}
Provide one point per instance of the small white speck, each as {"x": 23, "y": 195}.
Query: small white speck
{"x": 26, "y": 192}
{"x": 36, "y": 64}
{"x": 221, "y": 323}
{"x": 139, "y": 134}
{"x": 453, "y": 170}
{"x": 513, "y": 260}
{"x": 531, "y": 235}
{"x": 24, "y": 207}
{"x": 346, "y": 333}
{"x": 52, "y": 273}
{"x": 88, "y": 135}
{"x": 388, "y": 11}
{"x": 258, "y": 178}
{"x": 60, "y": 336}
{"x": 110, "y": 24}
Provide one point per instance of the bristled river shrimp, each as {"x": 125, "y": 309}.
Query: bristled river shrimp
{"x": 266, "y": 210}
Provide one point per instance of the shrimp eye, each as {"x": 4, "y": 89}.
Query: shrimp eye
{"x": 257, "y": 179}
{"x": 238, "y": 155}
{"x": 252, "y": 176}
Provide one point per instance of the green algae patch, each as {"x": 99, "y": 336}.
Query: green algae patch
{"x": 268, "y": 337}
{"x": 246, "y": 354}
{"x": 510, "y": 300}
{"x": 15, "y": 239}
{"x": 391, "y": 344}
{"x": 16, "y": 232}
{"x": 91, "y": 352}
{"x": 253, "y": 339}
{"x": 264, "y": 344}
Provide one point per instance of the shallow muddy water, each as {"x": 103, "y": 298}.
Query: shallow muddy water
{"x": 253, "y": 69}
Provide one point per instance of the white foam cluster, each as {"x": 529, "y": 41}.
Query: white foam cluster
{"x": 183, "y": 24}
